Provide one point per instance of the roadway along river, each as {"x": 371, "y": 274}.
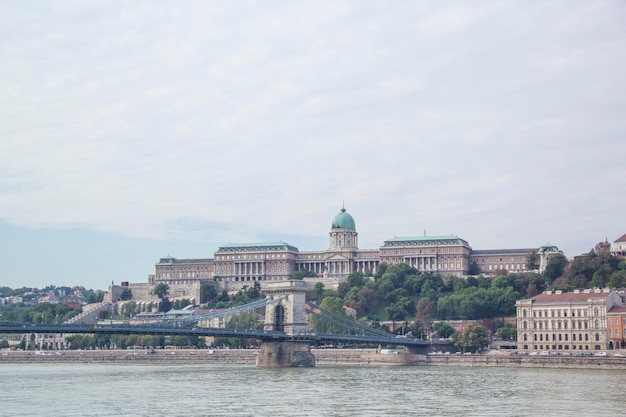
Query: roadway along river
{"x": 108, "y": 389}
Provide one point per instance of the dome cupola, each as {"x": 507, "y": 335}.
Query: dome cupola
{"x": 343, "y": 221}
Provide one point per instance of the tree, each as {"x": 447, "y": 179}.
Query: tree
{"x": 532, "y": 262}
{"x": 556, "y": 267}
{"x": 443, "y": 329}
{"x": 129, "y": 309}
{"x": 334, "y": 305}
{"x": 180, "y": 304}
{"x": 507, "y": 332}
{"x": 127, "y": 294}
{"x": 424, "y": 310}
{"x": 400, "y": 309}
{"x": 356, "y": 279}
{"x": 207, "y": 292}
{"x": 618, "y": 279}
{"x": 300, "y": 275}
{"x": 161, "y": 290}
{"x": 474, "y": 338}
{"x": 474, "y": 269}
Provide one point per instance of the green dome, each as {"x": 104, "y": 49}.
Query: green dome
{"x": 343, "y": 221}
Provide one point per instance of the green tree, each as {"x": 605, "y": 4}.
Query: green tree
{"x": 127, "y": 294}
{"x": 532, "y": 262}
{"x": 443, "y": 329}
{"x": 207, "y": 292}
{"x": 474, "y": 338}
{"x": 618, "y": 279}
{"x": 400, "y": 309}
{"x": 556, "y": 267}
{"x": 180, "y": 304}
{"x": 129, "y": 309}
{"x": 161, "y": 290}
{"x": 334, "y": 305}
{"x": 356, "y": 279}
{"x": 474, "y": 269}
{"x": 507, "y": 332}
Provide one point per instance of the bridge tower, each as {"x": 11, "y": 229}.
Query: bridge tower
{"x": 288, "y": 316}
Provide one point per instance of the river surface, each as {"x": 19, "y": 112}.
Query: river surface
{"x": 80, "y": 389}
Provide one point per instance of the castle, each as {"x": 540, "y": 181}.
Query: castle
{"x": 239, "y": 265}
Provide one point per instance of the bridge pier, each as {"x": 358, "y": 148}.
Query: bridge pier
{"x": 285, "y": 355}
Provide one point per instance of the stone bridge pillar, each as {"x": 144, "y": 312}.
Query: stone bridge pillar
{"x": 288, "y": 316}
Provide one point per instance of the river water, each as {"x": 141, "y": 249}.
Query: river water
{"x": 80, "y": 389}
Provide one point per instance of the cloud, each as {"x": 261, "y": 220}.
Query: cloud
{"x": 500, "y": 122}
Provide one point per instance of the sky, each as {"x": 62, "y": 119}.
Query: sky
{"x": 130, "y": 131}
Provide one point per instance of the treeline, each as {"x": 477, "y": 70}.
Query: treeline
{"x": 101, "y": 341}
{"x": 402, "y": 293}
{"x": 42, "y": 313}
{"x": 591, "y": 270}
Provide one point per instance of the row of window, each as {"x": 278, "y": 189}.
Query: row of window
{"x": 556, "y": 324}
{"x": 579, "y": 312}
{"x": 561, "y": 337}
{"x": 174, "y": 275}
{"x": 492, "y": 259}
{"x": 517, "y": 267}
{"x": 235, "y": 257}
{"x": 561, "y": 347}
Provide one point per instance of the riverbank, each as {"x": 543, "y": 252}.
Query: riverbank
{"x": 323, "y": 357}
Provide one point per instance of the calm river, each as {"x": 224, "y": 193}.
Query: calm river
{"x": 78, "y": 389}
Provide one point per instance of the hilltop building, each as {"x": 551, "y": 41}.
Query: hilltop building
{"x": 620, "y": 246}
{"x": 235, "y": 266}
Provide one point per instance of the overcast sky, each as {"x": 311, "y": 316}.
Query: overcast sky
{"x": 134, "y": 130}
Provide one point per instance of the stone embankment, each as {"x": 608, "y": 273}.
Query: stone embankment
{"x": 524, "y": 361}
{"x": 323, "y": 357}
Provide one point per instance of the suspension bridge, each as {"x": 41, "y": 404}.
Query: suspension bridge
{"x": 291, "y": 326}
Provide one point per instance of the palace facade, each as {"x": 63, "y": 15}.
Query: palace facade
{"x": 234, "y": 266}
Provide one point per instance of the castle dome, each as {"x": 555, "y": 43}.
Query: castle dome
{"x": 343, "y": 221}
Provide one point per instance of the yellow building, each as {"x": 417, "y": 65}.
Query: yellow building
{"x": 559, "y": 322}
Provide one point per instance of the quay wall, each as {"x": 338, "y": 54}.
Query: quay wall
{"x": 323, "y": 357}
